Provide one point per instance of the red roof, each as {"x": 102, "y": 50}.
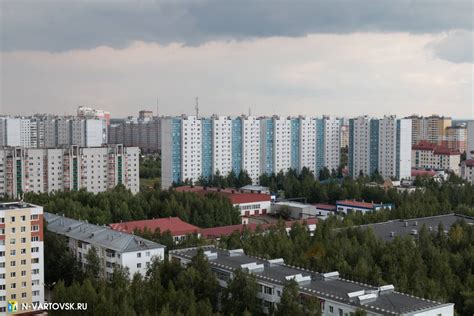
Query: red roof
{"x": 327, "y": 207}
{"x": 356, "y": 204}
{"x": 416, "y": 172}
{"x": 174, "y": 225}
{"x": 216, "y": 232}
{"x": 469, "y": 162}
{"x": 235, "y": 196}
{"x": 437, "y": 150}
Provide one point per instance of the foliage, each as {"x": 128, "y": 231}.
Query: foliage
{"x": 241, "y": 295}
{"x": 442, "y": 263}
{"x": 229, "y": 181}
{"x": 120, "y": 204}
{"x": 167, "y": 289}
{"x": 150, "y": 167}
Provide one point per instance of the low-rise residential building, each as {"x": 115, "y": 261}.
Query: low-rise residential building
{"x": 349, "y": 206}
{"x": 336, "y": 295}
{"x": 249, "y": 204}
{"x": 96, "y": 169}
{"x": 21, "y": 254}
{"x": 430, "y": 156}
{"x": 114, "y": 248}
{"x": 467, "y": 170}
{"x": 178, "y": 229}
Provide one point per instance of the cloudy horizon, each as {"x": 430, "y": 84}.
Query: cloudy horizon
{"x": 309, "y": 58}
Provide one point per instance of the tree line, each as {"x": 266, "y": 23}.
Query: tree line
{"x": 437, "y": 266}
{"x": 120, "y": 204}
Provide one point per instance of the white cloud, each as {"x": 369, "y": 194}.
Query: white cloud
{"x": 348, "y": 74}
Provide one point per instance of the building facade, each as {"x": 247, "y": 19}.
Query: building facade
{"x": 21, "y": 254}
{"x": 380, "y": 145}
{"x": 114, "y": 248}
{"x": 431, "y": 128}
{"x": 430, "y": 156}
{"x": 256, "y": 145}
{"x": 456, "y": 138}
{"x": 96, "y": 169}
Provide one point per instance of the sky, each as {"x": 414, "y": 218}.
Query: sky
{"x": 343, "y": 58}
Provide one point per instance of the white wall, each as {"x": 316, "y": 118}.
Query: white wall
{"x": 331, "y": 143}
{"x": 308, "y": 143}
{"x": 282, "y": 144}
{"x": 251, "y": 147}
{"x": 131, "y": 259}
{"x": 191, "y": 148}
{"x": 222, "y": 145}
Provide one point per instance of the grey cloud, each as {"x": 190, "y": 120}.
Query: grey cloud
{"x": 66, "y": 25}
{"x": 456, "y": 46}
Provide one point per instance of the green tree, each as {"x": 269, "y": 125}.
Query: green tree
{"x": 241, "y": 295}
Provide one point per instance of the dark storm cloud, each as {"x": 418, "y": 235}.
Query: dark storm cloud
{"x": 66, "y": 25}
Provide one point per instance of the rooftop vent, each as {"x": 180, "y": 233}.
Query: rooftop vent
{"x": 275, "y": 262}
{"x": 299, "y": 278}
{"x": 331, "y": 275}
{"x": 415, "y": 223}
{"x": 367, "y": 298}
{"x": 414, "y": 232}
{"x": 210, "y": 255}
{"x": 406, "y": 224}
{"x": 392, "y": 234}
{"x": 252, "y": 267}
{"x": 356, "y": 294}
{"x": 385, "y": 289}
{"x": 430, "y": 229}
{"x": 235, "y": 252}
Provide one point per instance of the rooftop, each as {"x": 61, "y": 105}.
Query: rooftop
{"x": 327, "y": 207}
{"x": 367, "y": 205}
{"x": 235, "y": 196}
{"x": 418, "y": 172}
{"x": 102, "y": 236}
{"x": 469, "y": 162}
{"x": 174, "y": 225}
{"x": 216, "y": 232}
{"x": 404, "y": 227}
{"x": 438, "y": 150}
{"x": 384, "y": 300}
{"x": 16, "y": 205}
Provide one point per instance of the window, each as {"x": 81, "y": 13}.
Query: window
{"x": 35, "y": 249}
{"x": 12, "y": 219}
{"x": 331, "y": 309}
{"x": 23, "y": 262}
{"x": 147, "y": 253}
{"x": 139, "y": 265}
{"x": 12, "y": 252}
{"x": 34, "y": 228}
{"x": 34, "y": 217}
{"x": 139, "y": 254}
{"x": 23, "y": 229}
{"x": 23, "y": 273}
{"x": 13, "y": 286}
{"x": 23, "y": 218}
{"x": 23, "y": 295}
{"x": 36, "y": 238}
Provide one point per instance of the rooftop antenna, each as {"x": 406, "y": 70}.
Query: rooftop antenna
{"x": 250, "y": 111}
{"x": 197, "y": 107}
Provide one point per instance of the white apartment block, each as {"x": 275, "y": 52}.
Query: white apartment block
{"x": 42, "y": 131}
{"x": 331, "y": 142}
{"x": 114, "y": 248}
{"x": 431, "y": 156}
{"x": 251, "y": 147}
{"x": 308, "y": 143}
{"x": 191, "y": 148}
{"x": 95, "y": 169}
{"x": 382, "y": 145}
{"x": 282, "y": 143}
{"x": 21, "y": 254}
{"x": 222, "y": 144}
{"x": 359, "y": 146}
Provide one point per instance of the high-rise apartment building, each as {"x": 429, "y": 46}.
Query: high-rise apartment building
{"x": 193, "y": 148}
{"x": 44, "y": 131}
{"x": 382, "y": 145}
{"x": 95, "y": 169}
{"x": 21, "y": 254}
{"x": 143, "y": 132}
{"x": 456, "y": 137}
{"x": 470, "y": 140}
{"x": 431, "y": 128}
